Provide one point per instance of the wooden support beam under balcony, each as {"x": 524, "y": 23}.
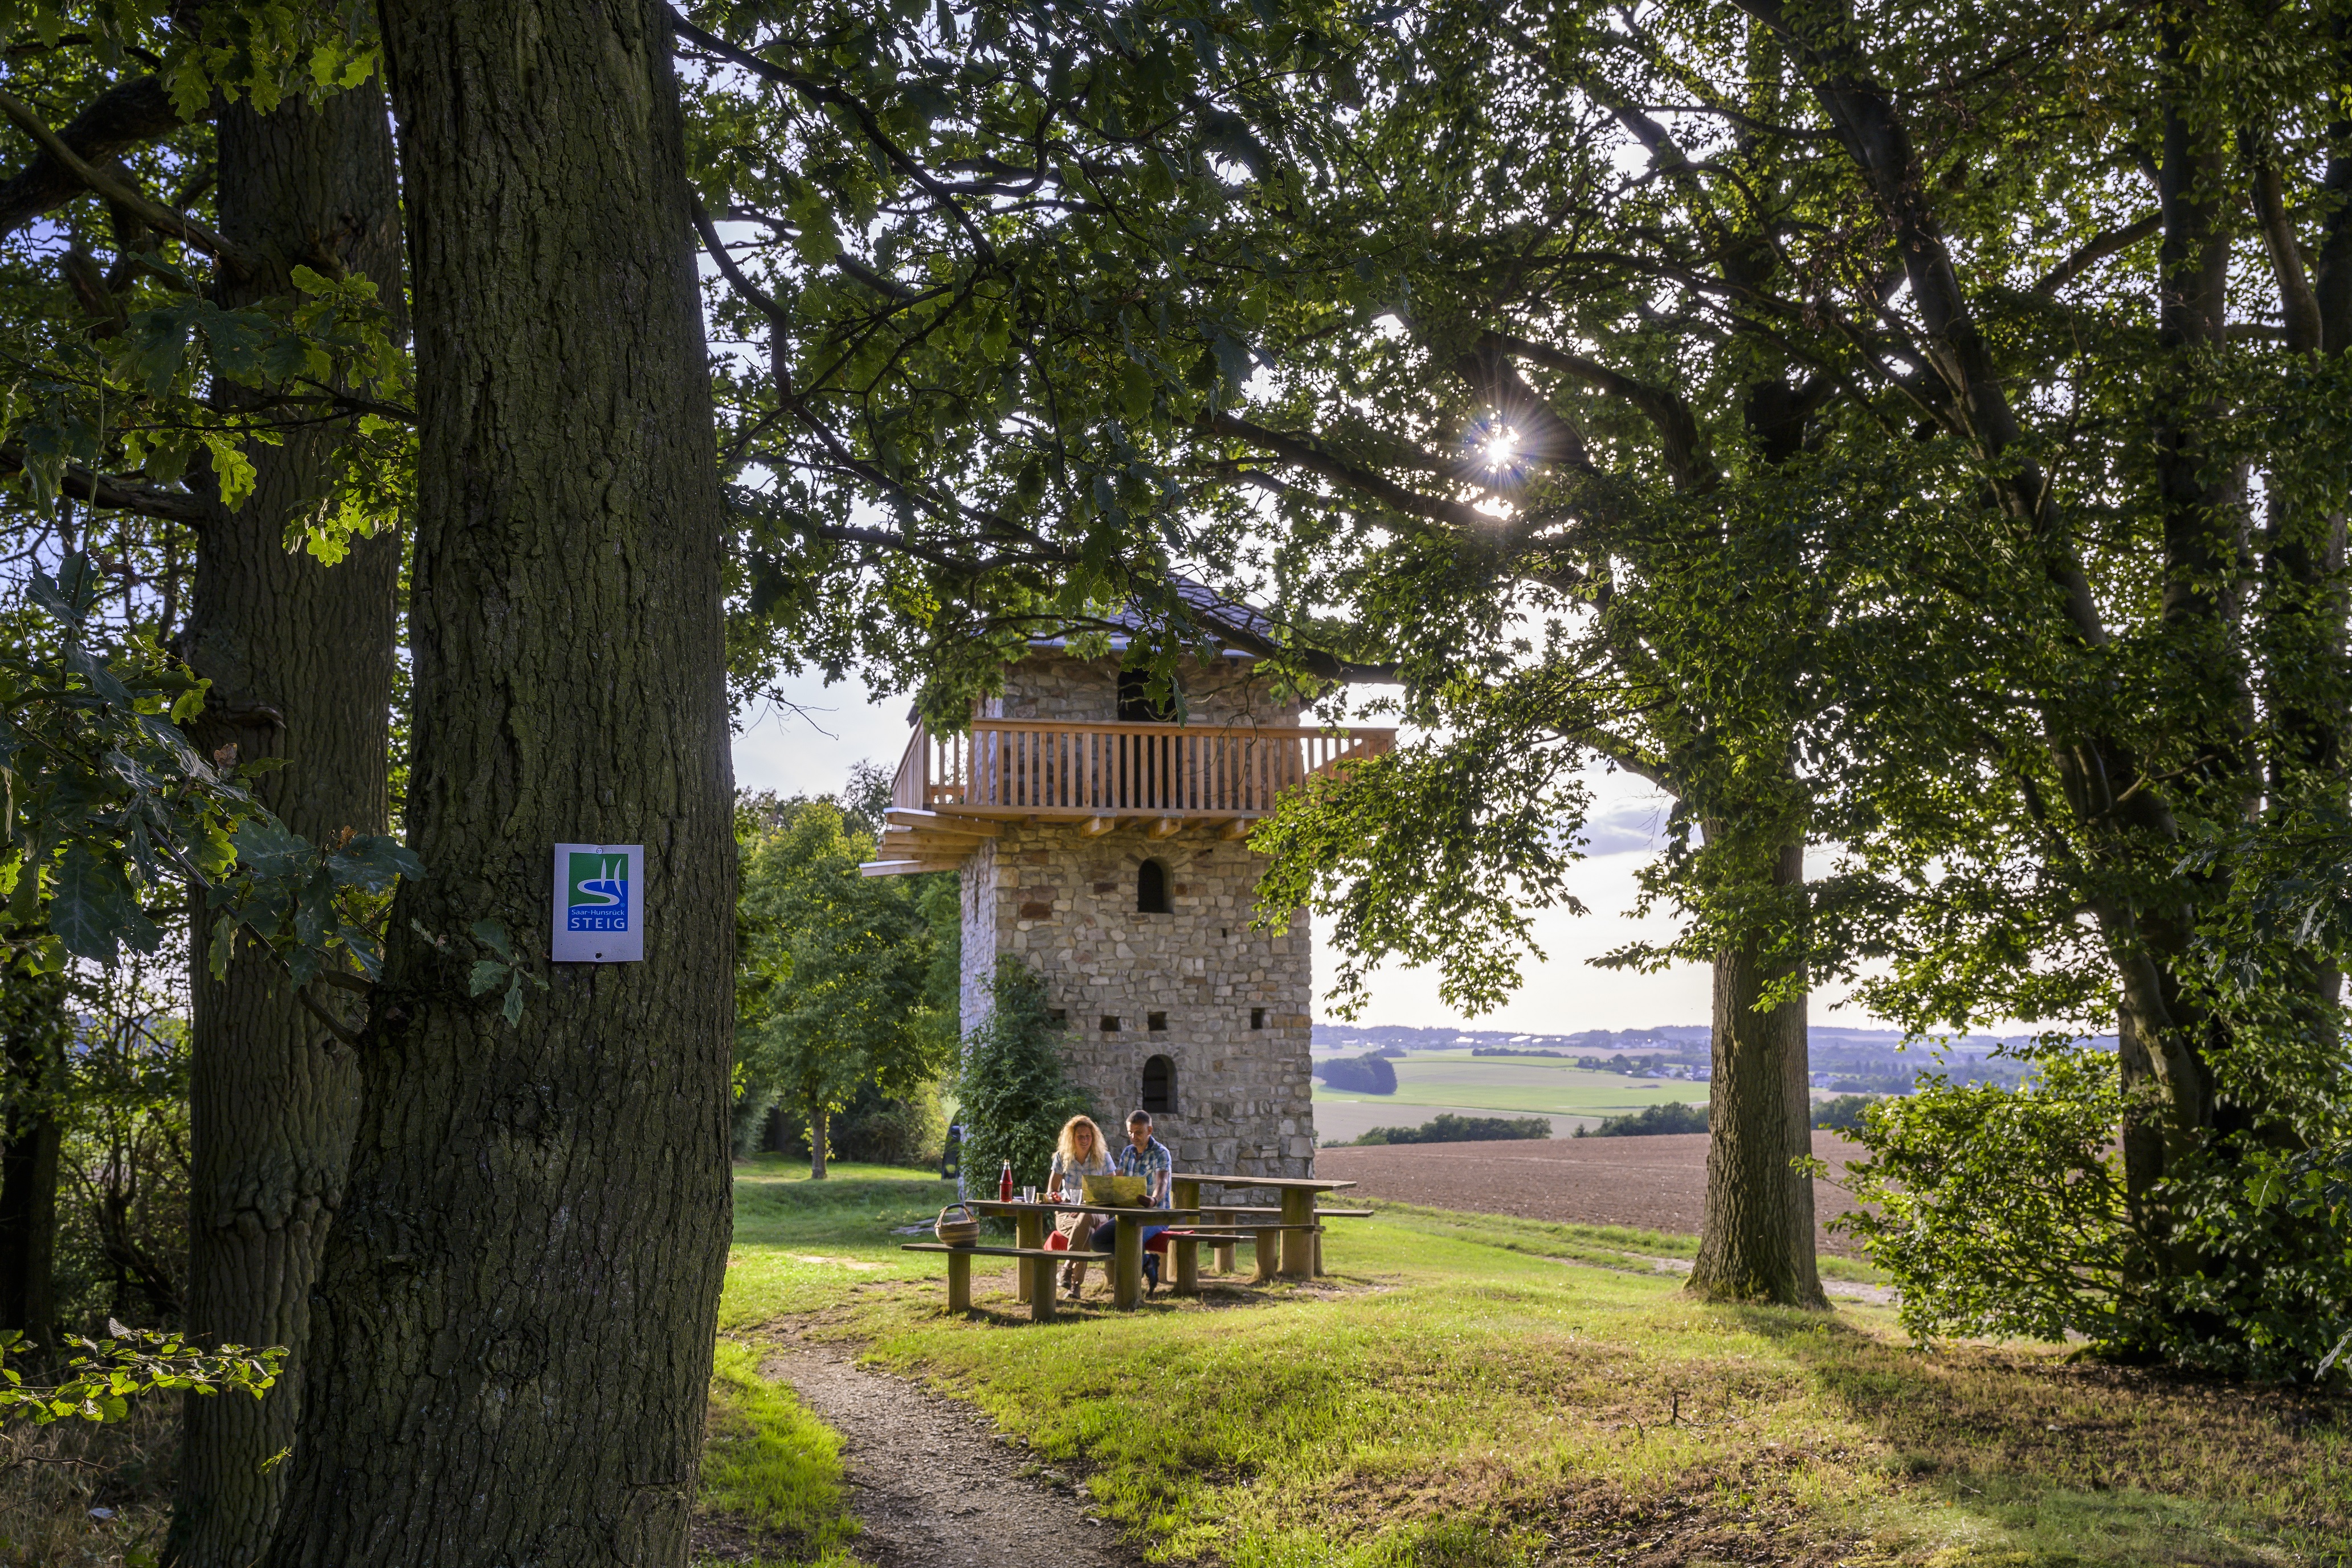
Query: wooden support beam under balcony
{"x": 944, "y": 822}
{"x": 1095, "y": 826}
{"x": 1163, "y": 828}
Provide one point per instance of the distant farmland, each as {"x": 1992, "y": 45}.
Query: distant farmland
{"x": 1431, "y": 1082}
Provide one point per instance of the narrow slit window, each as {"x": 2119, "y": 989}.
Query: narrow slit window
{"x": 1160, "y": 1086}
{"x": 1156, "y": 1022}
{"x": 1258, "y": 1017}
{"x": 1109, "y": 1024}
{"x": 1151, "y": 889}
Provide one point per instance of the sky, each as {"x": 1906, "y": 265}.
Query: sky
{"x": 811, "y": 752}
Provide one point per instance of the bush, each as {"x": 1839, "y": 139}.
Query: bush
{"x": 1842, "y": 1114}
{"x": 877, "y": 1128}
{"x": 1013, "y": 1094}
{"x": 1370, "y": 1073}
{"x": 1667, "y": 1116}
{"x": 1448, "y": 1128}
{"x": 1999, "y": 1212}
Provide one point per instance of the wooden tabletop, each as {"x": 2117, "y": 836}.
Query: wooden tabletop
{"x": 996, "y": 1205}
{"x": 1311, "y": 1184}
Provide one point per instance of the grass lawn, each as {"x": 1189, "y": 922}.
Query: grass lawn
{"x": 1456, "y": 1394}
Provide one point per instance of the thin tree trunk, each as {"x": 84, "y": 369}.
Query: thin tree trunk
{"x": 301, "y": 660}
{"x": 513, "y": 1330}
{"x": 37, "y": 1026}
{"x": 1756, "y": 1240}
{"x": 820, "y": 1122}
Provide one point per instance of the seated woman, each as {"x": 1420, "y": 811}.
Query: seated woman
{"x": 1078, "y": 1154}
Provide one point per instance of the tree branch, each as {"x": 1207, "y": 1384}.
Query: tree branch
{"x": 122, "y": 495}
{"x": 155, "y": 215}
{"x": 127, "y": 115}
{"x": 823, "y": 92}
{"x": 1669, "y": 414}
{"x": 2096, "y": 251}
{"x": 2298, "y": 302}
{"x": 1302, "y": 452}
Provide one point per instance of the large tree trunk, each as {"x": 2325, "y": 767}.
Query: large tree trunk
{"x": 36, "y": 1026}
{"x": 301, "y": 661}
{"x": 1756, "y": 1239}
{"x": 513, "y": 1333}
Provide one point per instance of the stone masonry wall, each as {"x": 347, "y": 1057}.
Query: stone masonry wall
{"x": 1049, "y": 684}
{"x": 1066, "y": 904}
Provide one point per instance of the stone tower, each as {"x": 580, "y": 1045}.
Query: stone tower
{"x": 1103, "y": 845}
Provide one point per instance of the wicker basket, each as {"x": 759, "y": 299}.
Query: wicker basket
{"x": 957, "y": 1225}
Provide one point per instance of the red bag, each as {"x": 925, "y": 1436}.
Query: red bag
{"x": 1057, "y": 1242}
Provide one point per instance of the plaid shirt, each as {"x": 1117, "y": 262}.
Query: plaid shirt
{"x": 1153, "y": 1164}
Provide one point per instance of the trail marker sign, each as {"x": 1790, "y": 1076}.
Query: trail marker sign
{"x": 600, "y": 903}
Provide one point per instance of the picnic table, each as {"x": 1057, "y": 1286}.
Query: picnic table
{"x": 1127, "y": 1258}
{"x": 1299, "y": 1230}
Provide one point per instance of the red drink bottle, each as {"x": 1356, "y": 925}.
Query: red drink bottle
{"x": 1004, "y": 1184}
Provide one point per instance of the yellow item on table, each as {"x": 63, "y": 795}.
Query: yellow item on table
{"x": 1118, "y": 1192}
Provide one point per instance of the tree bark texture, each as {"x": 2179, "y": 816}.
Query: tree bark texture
{"x": 820, "y": 1125}
{"x": 301, "y": 660}
{"x": 1756, "y": 1241}
{"x": 513, "y": 1330}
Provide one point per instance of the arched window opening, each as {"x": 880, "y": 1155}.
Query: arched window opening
{"x": 1159, "y": 1087}
{"x": 1151, "y": 889}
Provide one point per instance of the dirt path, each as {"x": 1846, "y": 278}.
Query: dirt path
{"x": 1847, "y": 1289}
{"x": 932, "y": 1482}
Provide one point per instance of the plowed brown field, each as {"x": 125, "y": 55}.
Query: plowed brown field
{"x": 1656, "y": 1183}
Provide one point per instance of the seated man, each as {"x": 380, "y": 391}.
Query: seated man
{"x": 1147, "y": 1157}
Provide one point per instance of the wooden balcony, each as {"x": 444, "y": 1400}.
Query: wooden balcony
{"x": 954, "y": 790}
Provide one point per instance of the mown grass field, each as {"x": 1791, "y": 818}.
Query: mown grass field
{"x": 1456, "y": 1393}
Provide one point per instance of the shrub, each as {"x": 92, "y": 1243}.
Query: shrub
{"x": 1667, "y": 1116}
{"x": 1013, "y": 1094}
{"x": 1370, "y": 1073}
{"x": 1842, "y": 1114}
{"x": 1999, "y": 1212}
{"x": 1448, "y": 1128}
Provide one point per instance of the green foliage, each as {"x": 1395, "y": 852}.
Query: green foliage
{"x": 1370, "y": 1073}
{"x": 1844, "y": 1113}
{"x": 2000, "y": 1212}
{"x": 1667, "y": 1116}
{"x": 1448, "y": 1128}
{"x": 127, "y": 1363}
{"x": 1012, "y": 1093}
{"x": 988, "y": 262}
{"x": 834, "y": 970}
{"x": 104, "y": 804}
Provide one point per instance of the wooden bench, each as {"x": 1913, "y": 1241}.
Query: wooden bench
{"x": 1239, "y": 1218}
{"x": 1036, "y": 1273}
{"x": 1185, "y": 1245}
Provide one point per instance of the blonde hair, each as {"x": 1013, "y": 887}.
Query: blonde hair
{"x": 1069, "y": 1142}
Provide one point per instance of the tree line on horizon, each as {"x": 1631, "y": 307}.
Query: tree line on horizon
{"x": 1915, "y": 441}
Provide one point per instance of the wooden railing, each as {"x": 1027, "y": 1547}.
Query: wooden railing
{"x": 1006, "y": 767}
